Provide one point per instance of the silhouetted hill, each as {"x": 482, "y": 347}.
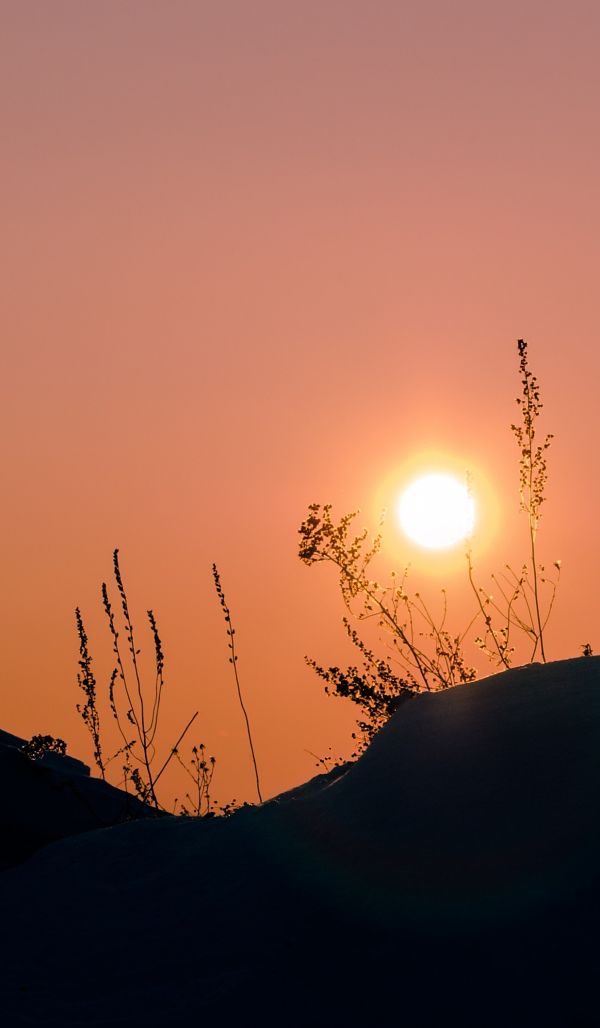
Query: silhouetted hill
{"x": 450, "y": 876}
{"x": 51, "y": 798}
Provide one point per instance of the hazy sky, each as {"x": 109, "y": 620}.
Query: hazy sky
{"x": 256, "y": 255}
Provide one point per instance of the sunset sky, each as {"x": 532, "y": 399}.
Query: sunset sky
{"x": 258, "y": 255}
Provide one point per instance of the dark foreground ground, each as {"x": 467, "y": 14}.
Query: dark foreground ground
{"x": 450, "y": 876}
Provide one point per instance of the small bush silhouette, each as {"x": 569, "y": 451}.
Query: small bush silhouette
{"x": 201, "y": 770}
{"x": 38, "y": 745}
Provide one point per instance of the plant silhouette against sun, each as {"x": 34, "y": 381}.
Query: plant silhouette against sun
{"x": 425, "y": 655}
{"x": 519, "y": 607}
{"x": 533, "y": 475}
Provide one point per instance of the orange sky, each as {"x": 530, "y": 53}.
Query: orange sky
{"x": 259, "y": 255}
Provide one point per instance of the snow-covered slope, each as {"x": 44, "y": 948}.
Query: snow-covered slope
{"x": 451, "y": 875}
{"x": 50, "y": 798}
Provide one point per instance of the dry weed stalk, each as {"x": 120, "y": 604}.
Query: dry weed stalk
{"x": 518, "y": 606}
{"x": 233, "y": 662}
{"x": 201, "y": 770}
{"x": 138, "y": 741}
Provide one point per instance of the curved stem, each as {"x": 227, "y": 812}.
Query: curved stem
{"x": 233, "y": 662}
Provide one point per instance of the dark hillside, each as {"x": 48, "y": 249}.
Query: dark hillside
{"x": 450, "y": 876}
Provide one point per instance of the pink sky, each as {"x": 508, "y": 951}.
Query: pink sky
{"x": 260, "y": 255}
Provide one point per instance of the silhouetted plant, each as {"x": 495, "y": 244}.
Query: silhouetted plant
{"x": 407, "y": 618}
{"x": 38, "y": 745}
{"x": 377, "y": 690}
{"x": 87, "y": 681}
{"x": 519, "y": 603}
{"x": 142, "y": 715}
{"x": 329, "y": 762}
{"x": 229, "y": 808}
{"x": 427, "y": 655}
{"x": 533, "y": 475}
{"x": 201, "y": 770}
{"x": 233, "y": 662}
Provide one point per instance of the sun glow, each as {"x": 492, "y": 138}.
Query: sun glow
{"x": 436, "y": 511}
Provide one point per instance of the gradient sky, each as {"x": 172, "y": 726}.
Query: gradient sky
{"x": 256, "y": 255}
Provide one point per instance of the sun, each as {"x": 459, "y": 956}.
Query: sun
{"x": 436, "y": 511}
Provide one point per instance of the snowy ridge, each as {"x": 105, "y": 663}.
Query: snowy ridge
{"x": 460, "y": 852}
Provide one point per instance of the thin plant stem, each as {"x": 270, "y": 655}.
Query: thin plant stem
{"x": 532, "y": 518}
{"x": 141, "y": 721}
{"x": 174, "y": 748}
{"x": 233, "y": 662}
{"x": 486, "y": 617}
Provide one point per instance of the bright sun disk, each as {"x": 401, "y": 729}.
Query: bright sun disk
{"x": 436, "y": 511}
